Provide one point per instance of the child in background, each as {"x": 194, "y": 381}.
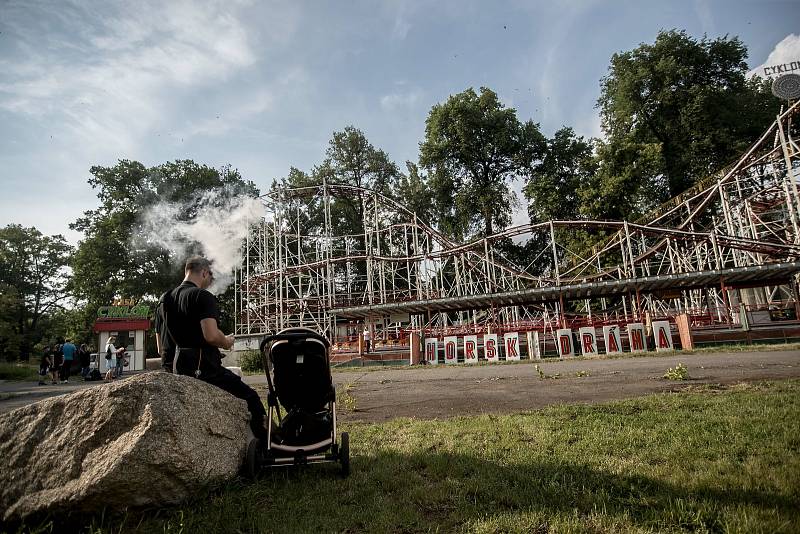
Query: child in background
{"x": 45, "y": 363}
{"x": 122, "y": 356}
{"x": 55, "y": 362}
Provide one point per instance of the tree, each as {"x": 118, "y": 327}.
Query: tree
{"x": 553, "y": 188}
{"x": 108, "y": 262}
{"x": 680, "y": 108}
{"x": 413, "y": 191}
{"x": 553, "y": 191}
{"x": 33, "y": 283}
{"x": 474, "y": 146}
{"x": 627, "y": 183}
{"x": 352, "y": 160}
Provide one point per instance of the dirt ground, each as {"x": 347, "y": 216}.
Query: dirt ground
{"x": 448, "y": 391}
{"x": 440, "y": 392}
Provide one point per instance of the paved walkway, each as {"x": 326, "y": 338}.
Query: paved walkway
{"x": 446, "y": 391}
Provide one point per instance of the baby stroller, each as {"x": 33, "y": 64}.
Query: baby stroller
{"x": 297, "y": 365}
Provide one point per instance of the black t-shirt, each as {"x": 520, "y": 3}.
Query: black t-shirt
{"x": 186, "y": 307}
{"x": 83, "y": 357}
{"x": 167, "y": 346}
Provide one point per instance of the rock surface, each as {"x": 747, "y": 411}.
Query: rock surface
{"x": 155, "y": 438}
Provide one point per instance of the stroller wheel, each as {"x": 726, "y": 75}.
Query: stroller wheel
{"x": 252, "y": 462}
{"x": 344, "y": 454}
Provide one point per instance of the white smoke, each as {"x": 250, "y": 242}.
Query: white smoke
{"x": 217, "y": 231}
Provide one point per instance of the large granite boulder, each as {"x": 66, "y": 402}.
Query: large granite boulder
{"x": 154, "y": 438}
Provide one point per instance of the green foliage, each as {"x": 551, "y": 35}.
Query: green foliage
{"x": 679, "y": 372}
{"x": 414, "y": 192}
{"x": 33, "y": 283}
{"x": 350, "y": 160}
{"x": 474, "y": 146}
{"x": 628, "y": 182}
{"x": 251, "y": 361}
{"x": 552, "y": 189}
{"x": 555, "y": 191}
{"x": 18, "y": 371}
{"x": 544, "y": 376}
{"x": 673, "y": 112}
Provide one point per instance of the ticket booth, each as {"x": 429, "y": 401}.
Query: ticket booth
{"x": 128, "y": 323}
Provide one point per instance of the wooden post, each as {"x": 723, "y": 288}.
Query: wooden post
{"x": 725, "y": 300}
{"x": 684, "y": 331}
{"x": 414, "y": 341}
{"x": 796, "y": 293}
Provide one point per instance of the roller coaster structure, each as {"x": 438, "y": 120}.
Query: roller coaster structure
{"x": 733, "y": 239}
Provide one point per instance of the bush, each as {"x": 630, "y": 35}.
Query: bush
{"x": 251, "y": 362}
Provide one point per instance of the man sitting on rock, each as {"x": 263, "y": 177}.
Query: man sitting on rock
{"x": 189, "y": 316}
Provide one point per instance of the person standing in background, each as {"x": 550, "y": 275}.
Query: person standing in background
{"x": 122, "y": 356}
{"x": 111, "y": 358}
{"x": 367, "y": 338}
{"x": 55, "y": 368}
{"x": 68, "y": 350}
{"x": 83, "y": 359}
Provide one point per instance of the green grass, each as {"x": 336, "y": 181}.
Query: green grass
{"x": 710, "y": 459}
{"x": 743, "y": 347}
{"x": 18, "y": 371}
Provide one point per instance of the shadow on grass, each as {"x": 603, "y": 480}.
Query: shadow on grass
{"x": 430, "y": 490}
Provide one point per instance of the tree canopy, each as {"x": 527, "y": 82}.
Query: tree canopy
{"x": 33, "y": 283}
{"x": 474, "y": 146}
{"x": 673, "y": 112}
{"x": 553, "y": 188}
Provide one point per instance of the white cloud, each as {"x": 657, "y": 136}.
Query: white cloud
{"x": 787, "y": 51}
{"x": 117, "y": 79}
{"x": 399, "y": 100}
{"x": 401, "y": 28}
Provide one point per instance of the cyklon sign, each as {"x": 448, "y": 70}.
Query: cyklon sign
{"x": 783, "y": 68}
{"x": 508, "y": 346}
{"x": 123, "y": 314}
{"x": 124, "y": 309}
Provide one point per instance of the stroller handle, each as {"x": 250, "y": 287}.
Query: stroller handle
{"x": 293, "y": 334}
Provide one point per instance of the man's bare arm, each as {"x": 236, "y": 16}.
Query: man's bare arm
{"x": 214, "y": 336}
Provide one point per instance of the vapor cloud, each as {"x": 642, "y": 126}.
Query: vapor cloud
{"x": 217, "y": 231}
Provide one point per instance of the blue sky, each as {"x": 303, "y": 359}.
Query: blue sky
{"x": 263, "y": 85}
